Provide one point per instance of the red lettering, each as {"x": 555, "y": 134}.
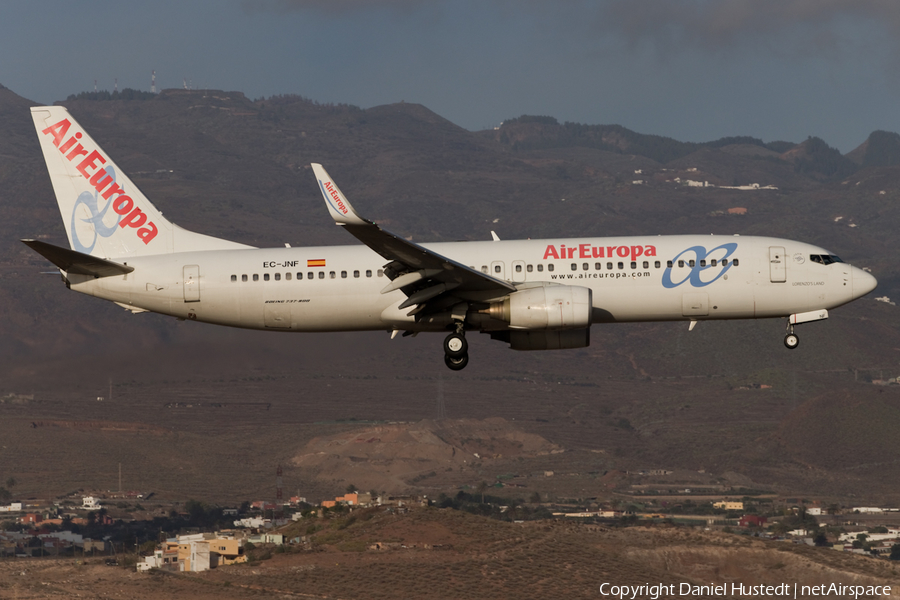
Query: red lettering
{"x": 123, "y": 205}
{"x": 65, "y": 147}
{"x": 597, "y": 251}
{"x": 571, "y": 252}
{"x": 135, "y": 218}
{"x": 113, "y": 189}
{"x": 636, "y": 251}
{"x": 89, "y": 163}
{"x": 101, "y": 179}
{"x": 584, "y": 250}
{"x": 58, "y": 131}
{"x": 611, "y": 251}
{"x": 550, "y": 252}
{"x": 622, "y": 251}
{"x": 147, "y": 233}
{"x": 78, "y": 150}
{"x": 650, "y": 251}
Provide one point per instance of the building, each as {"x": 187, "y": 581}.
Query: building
{"x": 195, "y": 553}
{"x": 752, "y": 521}
{"x": 729, "y": 505}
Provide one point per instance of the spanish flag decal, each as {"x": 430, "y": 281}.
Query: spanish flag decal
{"x": 315, "y": 262}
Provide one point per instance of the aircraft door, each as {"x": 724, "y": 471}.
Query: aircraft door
{"x": 498, "y": 269}
{"x": 192, "y": 283}
{"x": 777, "y": 265}
{"x": 518, "y": 271}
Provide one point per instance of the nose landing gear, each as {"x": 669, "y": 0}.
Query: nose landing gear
{"x": 791, "y": 340}
{"x": 456, "y": 349}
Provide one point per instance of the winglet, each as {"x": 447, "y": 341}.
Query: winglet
{"x": 340, "y": 208}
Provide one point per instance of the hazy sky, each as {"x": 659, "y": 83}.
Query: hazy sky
{"x": 695, "y": 70}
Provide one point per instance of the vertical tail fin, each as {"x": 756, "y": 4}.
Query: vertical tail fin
{"x": 104, "y": 213}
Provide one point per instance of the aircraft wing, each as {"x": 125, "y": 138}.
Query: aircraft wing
{"x": 431, "y": 281}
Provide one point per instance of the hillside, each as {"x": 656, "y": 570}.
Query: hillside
{"x": 647, "y": 396}
{"x": 441, "y": 553}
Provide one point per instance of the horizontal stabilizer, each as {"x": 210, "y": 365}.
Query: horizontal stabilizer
{"x": 78, "y": 263}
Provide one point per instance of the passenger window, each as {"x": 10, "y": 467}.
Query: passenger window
{"x": 724, "y": 262}
{"x": 634, "y": 264}
{"x": 550, "y": 267}
{"x": 299, "y": 276}
{"x": 621, "y": 265}
{"x": 735, "y": 262}
{"x": 703, "y": 263}
{"x": 234, "y": 277}
{"x": 255, "y": 277}
{"x": 585, "y": 267}
{"x": 356, "y": 274}
{"x": 287, "y": 276}
{"x": 597, "y": 266}
{"x": 243, "y": 278}
{"x": 656, "y": 264}
{"x": 496, "y": 268}
{"x": 609, "y": 266}
{"x": 277, "y": 276}
{"x": 540, "y": 268}
{"x": 484, "y": 269}
{"x": 381, "y": 272}
{"x": 321, "y": 274}
{"x": 343, "y": 274}
{"x": 518, "y": 268}
{"x": 668, "y": 264}
{"x": 574, "y": 266}
{"x": 266, "y": 277}
{"x": 368, "y": 272}
{"x": 646, "y": 264}
{"x": 332, "y": 274}
{"x": 712, "y": 262}
{"x": 691, "y": 263}
{"x": 529, "y": 268}
{"x": 310, "y": 275}
{"x": 680, "y": 263}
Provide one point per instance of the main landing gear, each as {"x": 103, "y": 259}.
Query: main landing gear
{"x": 791, "y": 340}
{"x": 456, "y": 349}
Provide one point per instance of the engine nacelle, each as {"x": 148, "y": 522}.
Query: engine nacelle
{"x": 547, "y": 307}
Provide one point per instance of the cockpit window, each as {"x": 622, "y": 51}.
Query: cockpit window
{"x": 825, "y": 259}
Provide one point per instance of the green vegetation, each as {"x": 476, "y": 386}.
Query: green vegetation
{"x": 125, "y": 94}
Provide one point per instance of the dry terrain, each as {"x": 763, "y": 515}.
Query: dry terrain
{"x": 432, "y": 553}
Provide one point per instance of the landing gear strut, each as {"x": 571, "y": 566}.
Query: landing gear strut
{"x": 456, "y": 349}
{"x": 791, "y": 340}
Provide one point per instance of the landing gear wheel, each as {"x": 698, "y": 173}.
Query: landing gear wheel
{"x": 791, "y": 341}
{"x": 456, "y": 363}
{"x": 455, "y": 346}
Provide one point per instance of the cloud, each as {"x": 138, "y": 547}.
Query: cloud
{"x": 719, "y": 24}
{"x": 331, "y": 6}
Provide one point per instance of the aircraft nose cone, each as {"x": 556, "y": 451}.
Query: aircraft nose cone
{"x": 863, "y": 282}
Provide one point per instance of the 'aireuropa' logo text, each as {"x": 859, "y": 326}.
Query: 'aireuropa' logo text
{"x": 102, "y": 180}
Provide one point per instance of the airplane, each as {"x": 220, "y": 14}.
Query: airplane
{"x": 530, "y": 294}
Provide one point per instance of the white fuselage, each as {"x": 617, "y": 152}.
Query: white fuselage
{"x": 338, "y": 288}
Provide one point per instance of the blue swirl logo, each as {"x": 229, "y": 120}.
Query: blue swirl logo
{"x": 91, "y": 202}
{"x": 701, "y": 276}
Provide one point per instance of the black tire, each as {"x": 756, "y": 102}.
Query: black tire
{"x": 455, "y": 345}
{"x": 791, "y": 341}
{"x": 456, "y": 363}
